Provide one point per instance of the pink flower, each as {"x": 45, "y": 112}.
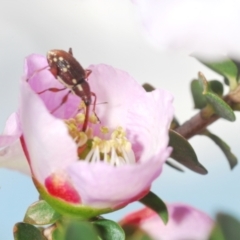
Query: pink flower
{"x": 185, "y": 223}
{"x": 206, "y": 27}
{"x": 111, "y": 164}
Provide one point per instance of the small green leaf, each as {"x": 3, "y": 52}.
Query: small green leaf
{"x": 224, "y": 147}
{"x": 230, "y": 227}
{"x": 148, "y": 87}
{"x": 216, "y": 87}
{"x": 174, "y": 123}
{"x": 134, "y": 233}
{"x": 184, "y": 153}
{"x": 172, "y": 165}
{"x": 219, "y": 105}
{"x": 80, "y": 231}
{"x": 197, "y": 94}
{"x": 41, "y": 213}
{"x": 227, "y": 68}
{"x": 216, "y": 234}
{"x": 25, "y": 231}
{"x": 152, "y": 201}
{"x": 109, "y": 230}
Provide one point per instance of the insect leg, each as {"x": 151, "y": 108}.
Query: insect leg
{"x": 94, "y": 105}
{"x": 64, "y": 99}
{"x": 52, "y": 90}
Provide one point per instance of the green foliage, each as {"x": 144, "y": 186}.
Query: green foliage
{"x": 220, "y": 107}
{"x": 227, "y": 228}
{"x": 109, "y": 230}
{"x": 199, "y": 99}
{"x": 172, "y": 165}
{"x": 227, "y": 68}
{"x": 134, "y": 233}
{"x": 156, "y": 204}
{"x": 224, "y": 147}
{"x": 184, "y": 153}
{"x": 25, "y": 231}
{"x": 41, "y": 213}
{"x": 79, "y": 231}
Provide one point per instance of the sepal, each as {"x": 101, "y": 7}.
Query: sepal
{"x": 184, "y": 153}
{"x": 220, "y": 107}
{"x": 152, "y": 201}
{"x": 41, "y": 213}
{"x": 232, "y": 160}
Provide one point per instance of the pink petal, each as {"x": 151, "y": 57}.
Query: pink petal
{"x": 189, "y": 25}
{"x": 39, "y": 77}
{"x": 185, "y": 222}
{"x": 12, "y": 157}
{"x": 49, "y": 145}
{"x": 129, "y": 105}
{"x": 11, "y": 132}
{"x": 11, "y": 153}
{"x": 115, "y": 91}
{"x": 148, "y": 123}
{"x": 103, "y": 185}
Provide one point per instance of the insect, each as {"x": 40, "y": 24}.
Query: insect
{"x": 71, "y": 74}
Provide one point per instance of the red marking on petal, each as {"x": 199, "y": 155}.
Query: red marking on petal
{"x": 137, "y": 217}
{"x": 25, "y": 150}
{"x": 59, "y": 187}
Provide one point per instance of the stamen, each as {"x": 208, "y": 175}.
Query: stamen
{"x": 111, "y": 147}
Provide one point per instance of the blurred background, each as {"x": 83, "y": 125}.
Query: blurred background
{"x": 107, "y": 31}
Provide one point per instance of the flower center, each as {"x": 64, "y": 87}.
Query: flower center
{"x": 111, "y": 146}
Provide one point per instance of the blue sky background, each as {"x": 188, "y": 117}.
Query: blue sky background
{"x": 107, "y": 32}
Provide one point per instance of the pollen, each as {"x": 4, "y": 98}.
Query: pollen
{"x": 100, "y": 143}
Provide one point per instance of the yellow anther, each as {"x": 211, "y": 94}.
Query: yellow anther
{"x": 82, "y": 139}
{"x": 104, "y": 130}
{"x": 93, "y": 119}
{"x": 80, "y": 117}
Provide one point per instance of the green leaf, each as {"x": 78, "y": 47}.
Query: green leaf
{"x": 76, "y": 230}
{"x": 148, "y": 87}
{"x": 134, "y": 233}
{"x": 41, "y": 213}
{"x": 224, "y": 147}
{"x": 197, "y": 94}
{"x": 228, "y": 228}
{"x": 227, "y": 68}
{"x": 216, "y": 87}
{"x": 216, "y": 234}
{"x": 219, "y": 105}
{"x": 184, "y": 153}
{"x": 25, "y": 231}
{"x": 152, "y": 201}
{"x": 174, "y": 123}
{"x": 109, "y": 230}
{"x": 199, "y": 99}
{"x": 172, "y": 165}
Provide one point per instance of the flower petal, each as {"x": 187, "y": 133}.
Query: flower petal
{"x": 115, "y": 90}
{"x": 128, "y": 105}
{"x": 12, "y": 157}
{"x": 11, "y": 132}
{"x": 49, "y": 145}
{"x": 103, "y": 185}
{"x": 11, "y": 153}
{"x": 190, "y": 25}
{"x": 185, "y": 222}
{"x": 40, "y": 79}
